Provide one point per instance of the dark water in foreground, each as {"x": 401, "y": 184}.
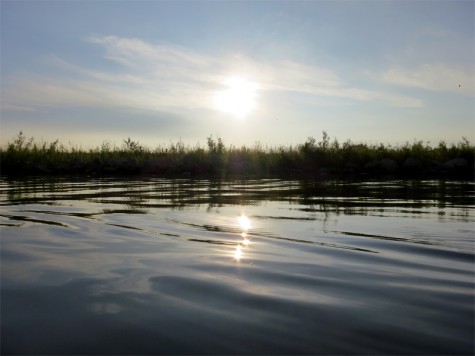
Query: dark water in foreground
{"x": 158, "y": 266}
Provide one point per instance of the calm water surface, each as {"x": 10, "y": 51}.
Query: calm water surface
{"x": 159, "y": 266}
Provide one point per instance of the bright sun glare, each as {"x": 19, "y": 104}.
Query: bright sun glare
{"x": 239, "y": 99}
{"x": 244, "y": 222}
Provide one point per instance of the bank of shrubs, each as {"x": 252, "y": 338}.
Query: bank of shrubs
{"x": 310, "y": 159}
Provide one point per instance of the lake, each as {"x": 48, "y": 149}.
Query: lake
{"x": 181, "y": 266}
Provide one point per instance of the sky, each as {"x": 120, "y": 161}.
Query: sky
{"x": 267, "y": 72}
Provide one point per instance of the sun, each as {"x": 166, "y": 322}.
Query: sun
{"x": 239, "y": 97}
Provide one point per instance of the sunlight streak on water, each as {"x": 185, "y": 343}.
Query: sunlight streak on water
{"x": 245, "y": 224}
{"x": 238, "y": 253}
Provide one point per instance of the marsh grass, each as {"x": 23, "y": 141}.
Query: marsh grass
{"x": 25, "y": 155}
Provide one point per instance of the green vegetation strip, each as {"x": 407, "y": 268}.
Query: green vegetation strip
{"x": 311, "y": 159}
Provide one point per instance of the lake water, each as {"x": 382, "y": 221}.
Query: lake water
{"x": 174, "y": 266}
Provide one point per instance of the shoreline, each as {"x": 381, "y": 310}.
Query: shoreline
{"x": 457, "y": 168}
{"x": 311, "y": 160}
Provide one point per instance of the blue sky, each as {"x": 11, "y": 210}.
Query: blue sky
{"x": 86, "y": 72}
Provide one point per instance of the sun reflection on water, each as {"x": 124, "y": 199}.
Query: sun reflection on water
{"x": 244, "y": 224}
{"x": 238, "y": 253}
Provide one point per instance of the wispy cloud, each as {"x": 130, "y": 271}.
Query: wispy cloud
{"x": 169, "y": 78}
{"x": 130, "y": 51}
{"x": 322, "y": 82}
{"x": 12, "y": 107}
{"x": 438, "y": 77}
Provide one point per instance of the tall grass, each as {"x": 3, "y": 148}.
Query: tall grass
{"x": 25, "y": 155}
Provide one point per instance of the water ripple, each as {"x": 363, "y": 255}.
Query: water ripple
{"x": 159, "y": 266}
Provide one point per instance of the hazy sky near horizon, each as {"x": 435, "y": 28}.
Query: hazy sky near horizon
{"x": 269, "y": 71}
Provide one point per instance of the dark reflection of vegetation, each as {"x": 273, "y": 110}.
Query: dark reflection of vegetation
{"x": 29, "y": 219}
{"x": 388, "y": 238}
{"x": 312, "y": 196}
{"x": 215, "y": 242}
{"x": 355, "y": 197}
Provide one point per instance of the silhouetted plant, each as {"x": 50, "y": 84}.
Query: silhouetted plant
{"x": 133, "y": 146}
{"x": 215, "y": 146}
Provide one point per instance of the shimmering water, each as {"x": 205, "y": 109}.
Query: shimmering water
{"x": 159, "y": 266}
